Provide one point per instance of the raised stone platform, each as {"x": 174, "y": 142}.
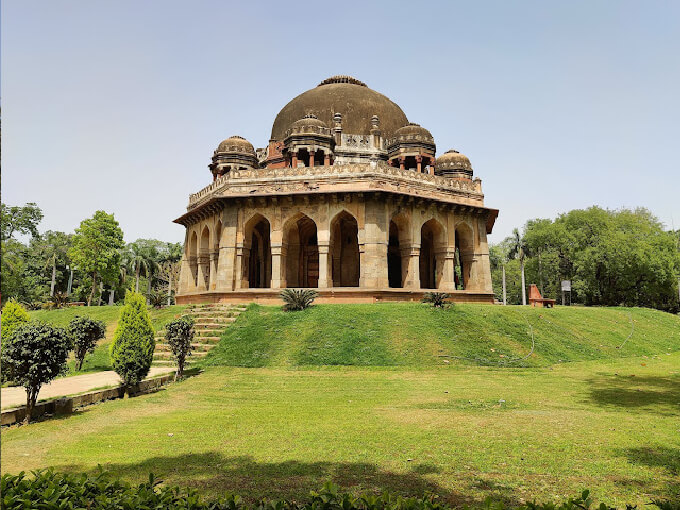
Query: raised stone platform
{"x": 332, "y": 295}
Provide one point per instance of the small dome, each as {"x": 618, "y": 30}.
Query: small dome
{"x": 308, "y": 120}
{"x": 453, "y": 161}
{"x": 235, "y": 144}
{"x": 413, "y": 131}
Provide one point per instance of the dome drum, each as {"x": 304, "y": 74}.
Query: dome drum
{"x": 234, "y": 153}
{"x": 455, "y": 165}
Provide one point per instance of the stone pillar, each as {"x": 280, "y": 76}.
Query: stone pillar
{"x": 214, "y": 258}
{"x": 186, "y": 283}
{"x": 327, "y": 159}
{"x": 375, "y": 240}
{"x": 200, "y": 284}
{"x": 402, "y": 162}
{"x": 325, "y": 279}
{"x": 241, "y": 255}
{"x": 413, "y": 272}
{"x": 419, "y": 162}
{"x": 278, "y": 266}
{"x": 432, "y": 166}
{"x": 311, "y": 158}
{"x": 294, "y": 160}
{"x": 448, "y": 258}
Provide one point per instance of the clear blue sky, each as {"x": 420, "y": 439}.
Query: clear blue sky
{"x": 118, "y": 105}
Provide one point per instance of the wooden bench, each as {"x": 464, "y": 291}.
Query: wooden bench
{"x": 538, "y": 301}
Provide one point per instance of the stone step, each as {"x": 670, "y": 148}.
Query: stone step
{"x": 167, "y": 356}
{"x": 195, "y": 347}
{"x": 215, "y": 307}
{"x": 211, "y": 313}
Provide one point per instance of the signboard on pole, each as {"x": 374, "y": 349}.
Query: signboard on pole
{"x": 566, "y": 285}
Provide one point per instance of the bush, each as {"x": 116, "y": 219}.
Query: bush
{"x": 133, "y": 343}
{"x": 34, "y": 354}
{"x": 50, "y": 490}
{"x": 85, "y": 333}
{"x": 437, "y": 299}
{"x": 13, "y": 315}
{"x": 297, "y": 299}
{"x": 179, "y": 333}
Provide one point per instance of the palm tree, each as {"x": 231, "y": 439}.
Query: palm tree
{"x": 519, "y": 250}
{"x": 54, "y": 246}
{"x": 138, "y": 258}
{"x": 169, "y": 265}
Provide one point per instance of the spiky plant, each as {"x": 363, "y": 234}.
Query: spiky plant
{"x": 436, "y": 299}
{"x": 297, "y": 299}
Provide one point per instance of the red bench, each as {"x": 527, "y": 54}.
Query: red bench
{"x": 536, "y": 300}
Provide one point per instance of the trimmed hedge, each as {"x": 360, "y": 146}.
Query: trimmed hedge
{"x": 48, "y": 489}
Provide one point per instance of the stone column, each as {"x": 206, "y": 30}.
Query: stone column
{"x": 327, "y": 160}
{"x": 448, "y": 258}
{"x": 413, "y": 272}
{"x": 311, "y": 158}
{"x": 432, "y": 160}
{"x": 278, "y": 266}
{"x": 402, "y": 162}
{"x": 325, "y": 279}
{"x": 214, "y": 258}
{"x": 419, "y": 162}
{"x": 200, "y": 284}
{"x": 241, "y": 255}
{"x": 294, "y": 160}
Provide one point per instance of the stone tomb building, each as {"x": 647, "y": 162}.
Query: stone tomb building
{"x": 348, "y": 198}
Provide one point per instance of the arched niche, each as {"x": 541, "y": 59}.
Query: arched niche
{"x": 344, "y": 249}
{"x": 399, "y": 243}
{"x": 432, "y": 245}
{"x": 465, "y": 241}
{"x": 257, "y": 253}
{"x": 302, "y": 252}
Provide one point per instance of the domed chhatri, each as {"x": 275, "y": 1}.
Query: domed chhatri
{"x": 234, "y": 153}
{"x": 454, "y": 164}
{"x": 347, "y": 197}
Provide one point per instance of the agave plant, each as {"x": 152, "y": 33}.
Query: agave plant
{"x": 437, "y": 299}
{"x": 297, "y": 299}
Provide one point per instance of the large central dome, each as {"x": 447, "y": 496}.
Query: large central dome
{"x": 348, "y": 96}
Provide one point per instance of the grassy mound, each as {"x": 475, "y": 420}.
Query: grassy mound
{"x": 415, "y": 334}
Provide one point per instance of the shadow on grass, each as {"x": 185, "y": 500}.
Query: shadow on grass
{"x": 216, "y": 474}
{"x": 658, "y": 456}
{"x": 660, "y": 394}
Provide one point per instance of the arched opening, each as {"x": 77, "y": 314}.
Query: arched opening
{"x": 303, "y": 157}
{"x": 464, "y": 256}
{"x": 319, "y": 156}
{"x": 394, "y": 272}
{"x": 204, "y": 258}
{"x": 431, "y": 260}
{"x": 257, "y": 253}
{"x": 193, "y": 258}
{"x": 302, "y": 252}
{"x": 345, "y": 250}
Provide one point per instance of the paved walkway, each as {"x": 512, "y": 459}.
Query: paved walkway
{"x": 16, "y": 396}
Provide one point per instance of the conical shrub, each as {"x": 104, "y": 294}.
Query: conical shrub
{"x": 133, "y": 342}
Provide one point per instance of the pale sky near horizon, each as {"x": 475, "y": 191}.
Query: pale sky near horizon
{"x": 118, "y": 105}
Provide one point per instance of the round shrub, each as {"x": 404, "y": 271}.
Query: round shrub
{"x": 85, "y": 333}
{"x": 178, "y": 334}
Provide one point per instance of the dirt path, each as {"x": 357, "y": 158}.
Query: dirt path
{"x": 12, "y": 397}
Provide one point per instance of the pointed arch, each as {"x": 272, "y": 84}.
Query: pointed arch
{"x": 399, "y": 243}
{"x": 465, "y": 249}
{"x": 432, "y": 246}
{"x": 192, "y": 256}
{"x": 344, "y": 249}
{"x": 257, "y": 253}
{"x": 301, "y": 252}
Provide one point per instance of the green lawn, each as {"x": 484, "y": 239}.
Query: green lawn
{"x": 415, "y": 334}
{"x": 612, "y": 427}
{"x": 100, "y": 359}
{"x": 581, "y": 414}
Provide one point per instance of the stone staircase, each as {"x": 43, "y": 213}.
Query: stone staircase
{"x": 210, "y": 321}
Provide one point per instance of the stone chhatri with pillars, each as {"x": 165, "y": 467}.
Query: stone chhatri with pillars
{"x": 348, "y": 198}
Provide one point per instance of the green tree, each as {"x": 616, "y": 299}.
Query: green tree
{"x": 133, "y": 342}
{"x": 96, "y": 249}
{"x": 33, "y": 355}
{"x": 140, "y": 257}
{"x": 52, "y": 248}
{"x": 179, "y": 334}
{"x": 13, "y": 315}
{"x": 22, "y": 219}
{"x": 85, "y": 333}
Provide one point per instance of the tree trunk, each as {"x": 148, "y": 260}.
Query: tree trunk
{"x": 180, "y": 369}
{"x": 101, "y": 293}
{"x": 148, "y": 288}
{"x": 170, "y": 288}
{"x": 524, "y": 287}
{"x": 137, "y": 279}
{"x": 54, "y": 275}
{"x": 112, "y": 294}
{"x": 31, "y": 397}
{"x": 94, "y": 289}
{"x": 505, "y": 295}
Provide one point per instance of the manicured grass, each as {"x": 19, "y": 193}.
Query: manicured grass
{"x": 462, "y": 432}
{"x": 100, "y": 359}
{"x": 419, "y": 335}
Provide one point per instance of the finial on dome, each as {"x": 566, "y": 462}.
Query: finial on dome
{"x": 342, "y": 78}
